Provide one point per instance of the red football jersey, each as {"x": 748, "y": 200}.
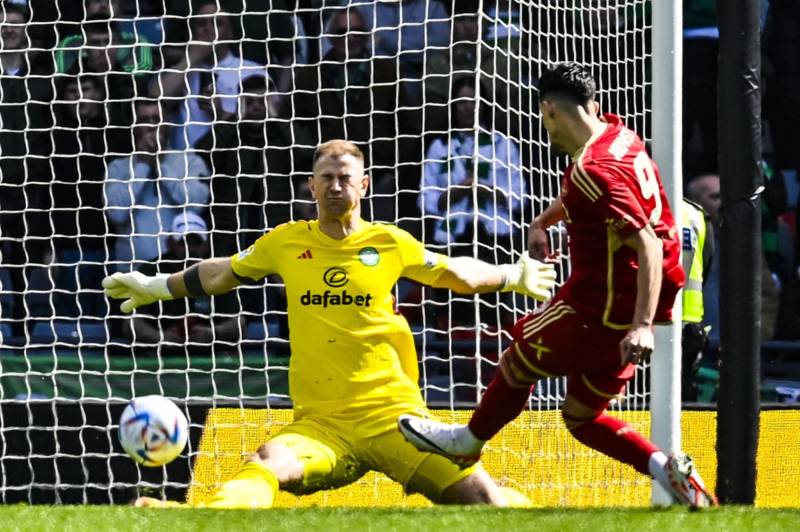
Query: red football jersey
{"x": 610, "y": 191}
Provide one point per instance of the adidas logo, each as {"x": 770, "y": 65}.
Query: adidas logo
{"x": 305, "y": 255}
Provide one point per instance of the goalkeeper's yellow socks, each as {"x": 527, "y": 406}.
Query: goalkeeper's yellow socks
{"x": 254, "y": 486}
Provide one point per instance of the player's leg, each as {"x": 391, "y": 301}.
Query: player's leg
{"x": 443, "y": 482}
{"x": 588, "y": 395}
{"x": 306, "y": 456}
{"x": 503, "y": 401}
{"x": 434, "y": 476}
{"x": 255, "y": 485}
{"x": 480, "y": 488}
{"x": 534, "y": 354}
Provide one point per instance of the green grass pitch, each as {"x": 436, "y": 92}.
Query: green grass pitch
{"x": 444, "y": 519}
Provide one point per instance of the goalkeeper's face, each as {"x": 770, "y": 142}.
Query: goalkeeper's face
{"x": 338, "y": 184}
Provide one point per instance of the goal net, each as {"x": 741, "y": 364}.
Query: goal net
{"x": 178, "y": 130}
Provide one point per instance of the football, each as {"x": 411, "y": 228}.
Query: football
{"x": 153, "y": 430}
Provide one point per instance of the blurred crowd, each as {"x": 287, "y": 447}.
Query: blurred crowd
{"x": 147, "y": 134}
{"x": 780, "y": 58}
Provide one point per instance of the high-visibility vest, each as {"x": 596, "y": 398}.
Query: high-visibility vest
{"x": 693, "y": 232}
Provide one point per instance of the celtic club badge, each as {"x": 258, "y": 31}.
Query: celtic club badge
{"x": 369, "y": 256}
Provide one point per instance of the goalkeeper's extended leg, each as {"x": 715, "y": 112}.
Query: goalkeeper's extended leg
{"x": 257, "y": 482}
{"x": 503, "y": 402}
{"x": 254, "y": 486}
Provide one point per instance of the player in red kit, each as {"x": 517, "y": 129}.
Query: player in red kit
{"x": 626, "y": 271}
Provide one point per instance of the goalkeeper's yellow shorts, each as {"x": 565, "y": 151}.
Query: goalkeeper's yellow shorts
{"x": 336, "y": 452}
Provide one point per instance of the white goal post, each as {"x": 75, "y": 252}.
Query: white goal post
{"x": 667, "y": 143}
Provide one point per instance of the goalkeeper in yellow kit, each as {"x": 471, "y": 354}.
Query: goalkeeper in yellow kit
{"x": 353, "y": 368}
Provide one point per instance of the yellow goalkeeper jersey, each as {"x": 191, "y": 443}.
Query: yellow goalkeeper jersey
{"x": 351, "y": 351}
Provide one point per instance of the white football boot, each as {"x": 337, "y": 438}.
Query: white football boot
{"x": 685, "y": 483}
{"x": 454, "y": 442}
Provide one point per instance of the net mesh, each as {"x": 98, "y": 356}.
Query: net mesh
{"x": 534, "y": 455}
{"x": 176, "y": 129}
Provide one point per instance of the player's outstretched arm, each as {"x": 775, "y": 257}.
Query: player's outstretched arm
{"x": 471, "y": 276}
{"x": 208, "y": 277}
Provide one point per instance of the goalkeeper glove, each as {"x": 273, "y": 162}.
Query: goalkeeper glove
{"x": 137, "y": 289}
{"x": 529, "y": 277}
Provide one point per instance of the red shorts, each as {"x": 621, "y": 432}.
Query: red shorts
{"x": 558, "y": 341}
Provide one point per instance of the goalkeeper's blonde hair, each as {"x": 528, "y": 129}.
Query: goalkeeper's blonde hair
{"x": 338, "y": 148}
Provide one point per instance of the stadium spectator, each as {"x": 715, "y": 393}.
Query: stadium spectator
{"x": 207, "y": 68}
{"x": 502, "y": 74}
{"x": 353, "y": 95}
{"x": 778, "y": 247}
{"x": 507, "y": 70}
{"x": 700, "y": 53}
{"x": 705, "y": 190}
{"x": 14, "y": 58}
{"x": 276, "y": 36}
{"x": 80, "y": 143}
{"x": 406, "y": 30}
{"x": 102, "y": 45}
{"x": 252, "y": 161}
{"x": 25, "y": 95}
{"x": 353, "y": 368}
{"x": 303, "y": 206}
{"x": 608, "y": 214}
{"x": 445, "y": 67}
{"x": 781, "y": 67}
{"x": 146, "y": 190}
{"x": 774, "y": 205}
{"x": 453, "y": 196}
{"x": 121, "y": 68}
{"x": 186, "y": 326}
{"x": 468, "y": 197}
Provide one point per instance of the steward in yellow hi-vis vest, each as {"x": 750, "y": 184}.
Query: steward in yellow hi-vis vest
{"x": 697, "y": 242}
{"x": 695, "y": 258}
{"x": 353, "y": 367}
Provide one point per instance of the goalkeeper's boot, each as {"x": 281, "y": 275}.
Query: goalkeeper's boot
{"x": 150, "y": 502}
{"x": 685, "y": 483}
{"x": 454, "y": 442}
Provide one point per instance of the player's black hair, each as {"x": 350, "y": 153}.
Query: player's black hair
{"x": 568, "y": 80}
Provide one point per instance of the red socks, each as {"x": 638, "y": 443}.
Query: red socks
{"x": 616, "y": 439}
{"x": 500, "y": 405}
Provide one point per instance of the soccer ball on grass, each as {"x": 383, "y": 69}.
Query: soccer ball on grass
{"x": 153, "y": 430}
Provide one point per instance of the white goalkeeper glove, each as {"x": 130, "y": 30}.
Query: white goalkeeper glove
{"x": 137, "y": 289}
{"x": 529, "y": 277}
